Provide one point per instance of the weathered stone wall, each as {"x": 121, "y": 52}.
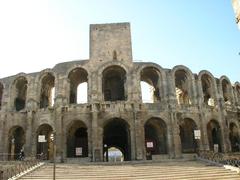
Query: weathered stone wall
{"x": 97, "y": 113}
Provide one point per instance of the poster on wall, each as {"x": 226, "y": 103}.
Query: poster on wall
{"x": 197, "y": 134}
{"x": 78, "y": 151}
{"x": 41, "y": 138}
{"x": 149, "y": 144}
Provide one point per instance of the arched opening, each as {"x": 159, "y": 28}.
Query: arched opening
{"x": 113, "y": 83}
{"x": 234, "y": 137}
{"x": 77, "y": 140}
{"x": 16, "y": 141}
{"x": 47, "y": 91}
{"x": 44, "y": 143}
{"x": 78, "y": 78}
{"x": 207, "y": 88}
{"x": 1, "y": 95}
{"x": 20, "y": 93}
{"x": 82, "y": 93}
{"x": 214, "y": 135}
{"x": 238, "y": 93}
{"x": 226, "y": 89}
{"x": 150, "y": 82}
{"x": 182, "y": 87}
{"x": 113, "y": 154}
{"x": 187, "y": 127}
{"x": 155, "y": 136}
{"x": 117, "y": 134}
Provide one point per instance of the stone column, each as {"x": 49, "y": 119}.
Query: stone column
{"x": 58, "y": 134}
{"x": 176, "y": 136}
{"x": 96, "y": 138}
{"x": 139, "y": 136}
{"x": 29, "y": 143}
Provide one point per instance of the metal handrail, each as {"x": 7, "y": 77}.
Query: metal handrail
{"x": 220, "y": 158}
{"x": 18, "y": 168}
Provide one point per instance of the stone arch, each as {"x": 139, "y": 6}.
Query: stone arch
{"x": 19, "y": 92}
{"x": 47, "y": 89}
{"x": 183, "y": 84}
{"x": 113, "y": 83}
{"x": 237, "y": 91}
{"x": 234, "y": 137}
{"x": 1, "y": 94}
{"x": 76, "y": 77}
{"x": 208, "y": 85}
{"x": 77, "y": 139}
{"x": 214, "y": 135}
{"x": 188, "y": 142}
{"x": 116, "y": 133}
{"x": 156, "y": 136}
{"x": 152, "y": 76}
{"x": 44, "y": 148}
{"x": 226, "y": 89}
{"x": 16, "y": 141}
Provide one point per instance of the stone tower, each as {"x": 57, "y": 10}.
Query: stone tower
{"x": 110, "y": 42}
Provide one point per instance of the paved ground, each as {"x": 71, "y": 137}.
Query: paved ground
{"x": 161, "y": 170}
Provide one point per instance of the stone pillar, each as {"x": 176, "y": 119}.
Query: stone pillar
{"x": 58, "y": 134}
{"x": 176, "y": 136}
{"x": 97, "y": 146}
{"x": 29, "y": 145}
{"x": 139, "y": 137}
{"x": 1, "y": 131}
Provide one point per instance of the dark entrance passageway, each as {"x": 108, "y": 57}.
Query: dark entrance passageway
{"x": 116, "y": 134}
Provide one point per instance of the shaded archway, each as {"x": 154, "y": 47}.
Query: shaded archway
{"x": 188, "y": 142}
{"x": 234, "y": 137}
{"x": 227, "y": 91}
{"x": 151, "y": 77}
{"x": 77, "y": 140}
{"x": 1, "y": 95}
{"x": 78, "y": 78}
{"x": 113, "y": 83}
{"x": 47, "y": 93}
{"x": 237, "y": 90}
{"x": 207, "y": 88}
{"x": 16, "y": 141}
{"x": 156, "y": 136}
{"x": 117, "y": 134}
{"x": 182, "y": 87}
{"x": 45, "y": 146}
{"x": 214, "y": 135}
{"x": 20, "y": 93}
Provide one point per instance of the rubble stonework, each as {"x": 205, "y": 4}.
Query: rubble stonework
{"x": 115, "y": 114}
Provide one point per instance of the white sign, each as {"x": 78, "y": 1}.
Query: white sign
{"x": 149, "y": 144}
{"x": 78, "y": 151}
{"x": 215, "y": 147}
{"x": 197, "y": 134}
{"x": 41, "y": 138}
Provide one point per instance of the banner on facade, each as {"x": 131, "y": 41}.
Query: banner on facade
{"x": 197, "y": 134}
{"x": 78, "y": 151}
{"x": 41, "y": 138}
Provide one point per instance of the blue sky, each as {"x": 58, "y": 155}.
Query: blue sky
{"x": 35, "y": 35}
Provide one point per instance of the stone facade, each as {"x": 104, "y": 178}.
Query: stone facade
{"x": 236, "y": 8}
{"x": 115, "y": 114}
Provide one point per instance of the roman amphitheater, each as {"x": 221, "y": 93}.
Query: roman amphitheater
{"x": 187, "y": 112}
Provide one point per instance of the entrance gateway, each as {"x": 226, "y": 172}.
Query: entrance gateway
{"x": 113, "y": 116}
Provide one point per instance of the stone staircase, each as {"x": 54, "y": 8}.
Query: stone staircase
{"x": 144, "y": 170}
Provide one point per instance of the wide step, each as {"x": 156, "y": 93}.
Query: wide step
{"x": 167, "y": 171}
